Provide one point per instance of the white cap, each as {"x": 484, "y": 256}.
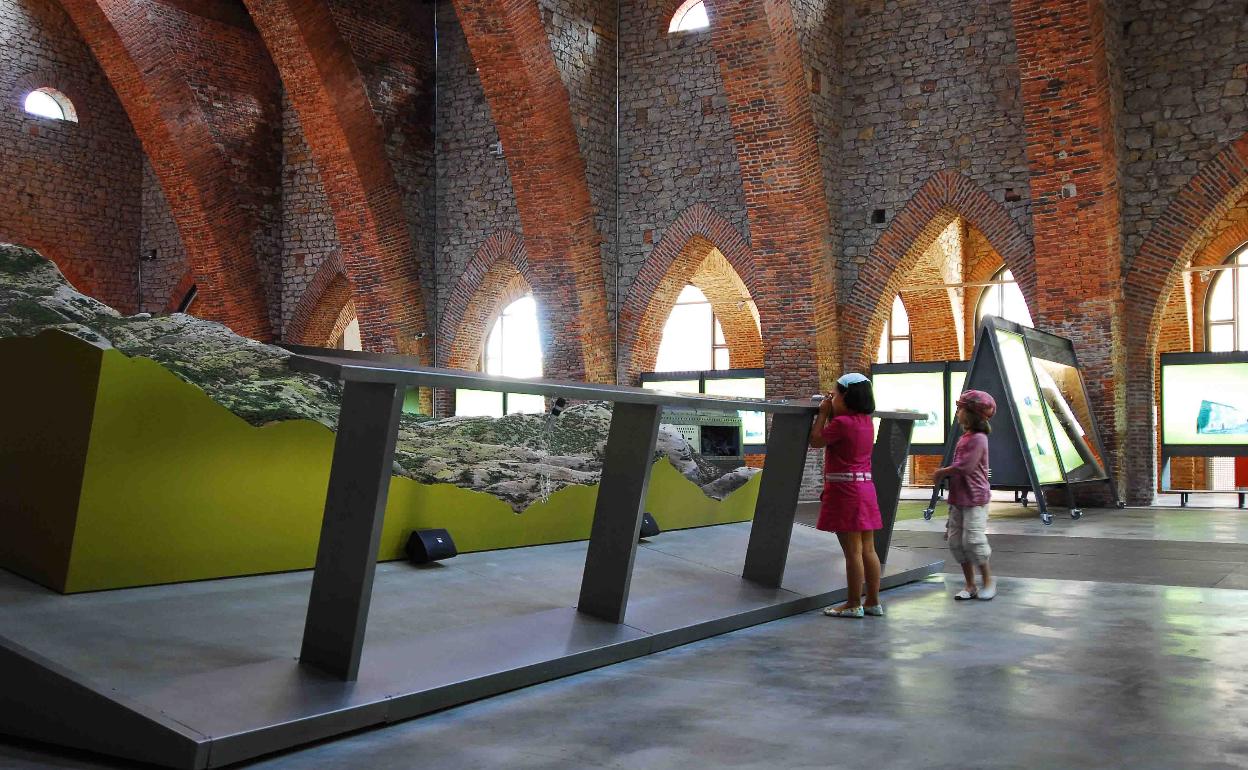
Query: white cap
{"x": 852, "y": 378}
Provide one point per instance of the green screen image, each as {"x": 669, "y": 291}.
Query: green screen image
{"x": 957, "y": 383}
{"x": 1016, "y": 364}
{"x": 1204, "y": 404}
{"x": 917, "y": 392}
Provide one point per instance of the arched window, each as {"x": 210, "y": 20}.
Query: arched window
{"x": 1226, "y": 307}
{"x": 693, "y": 339}
{"x": 50, "y": 103}
{"x": 895, "y": 339}
{"x": 1004, "y": 300}
{"x": 690, "y": 16}
{"x": 513, "y": 349}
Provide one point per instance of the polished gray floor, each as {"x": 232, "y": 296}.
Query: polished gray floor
{"x": 1084, "y": 672}
{"x": 1051, "y": 674}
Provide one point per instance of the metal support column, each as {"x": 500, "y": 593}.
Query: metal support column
{"x": 346, "y": 559}
{"x": 772, "y": 529}
{"x": 617, "y": 516}
{"x": 888, "y": 464}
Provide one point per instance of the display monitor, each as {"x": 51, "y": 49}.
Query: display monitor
{"x": 1204, "y": 400}
{"x": 1032, "y": 410}
{"x": 753, "y": 424}
{"x": 916, "y": 391}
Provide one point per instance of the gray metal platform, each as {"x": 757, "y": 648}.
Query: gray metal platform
{"x": 204, "y": 674}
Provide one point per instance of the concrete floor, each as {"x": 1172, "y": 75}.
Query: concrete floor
{"x": 1073, "y": 673}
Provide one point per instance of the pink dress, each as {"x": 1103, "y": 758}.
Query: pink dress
{"x": 848, "y": 501}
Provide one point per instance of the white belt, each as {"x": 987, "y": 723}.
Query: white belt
{"x": 861, "y": 476}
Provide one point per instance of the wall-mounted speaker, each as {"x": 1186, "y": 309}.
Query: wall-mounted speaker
{"x": 649, "y": 527}
{"x": 426, "y": 545}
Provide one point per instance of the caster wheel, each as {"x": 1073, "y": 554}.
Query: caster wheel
{"x": 927, "y": 514}
{"x": 1047, "y": 518}
{"x": 1122, "y": 504}
{"x": 1076, "y": 514}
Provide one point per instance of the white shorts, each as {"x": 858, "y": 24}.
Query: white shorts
{"x": 968, "y": 534}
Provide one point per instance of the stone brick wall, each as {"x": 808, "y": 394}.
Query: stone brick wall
{"x": 474, "y": 195}
{"x": 71, "y": 190}
{"x": 676, "y": 142}
{"x": 583, "y": 39}
{"x": 162, "y": 252}
{"x": 1184, "y": 80}
{"x": 927, "y": 87}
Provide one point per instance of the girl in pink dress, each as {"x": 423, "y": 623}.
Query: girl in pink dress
{"x": 844, "y": 431}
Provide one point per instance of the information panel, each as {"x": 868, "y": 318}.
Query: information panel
{"x": 1204, "y": 404}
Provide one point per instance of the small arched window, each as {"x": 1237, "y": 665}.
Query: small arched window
{"x": 895, "y": 339}
{"x": 50, "y": 103}
{"x": 1226, "y": 306}
{"x": 690, "y": 16}
{"x": 1004, "y": 300}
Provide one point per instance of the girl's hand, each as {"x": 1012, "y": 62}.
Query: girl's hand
{"x": 825, "y": 406}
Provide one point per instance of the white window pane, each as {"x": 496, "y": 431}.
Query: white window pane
{"x": 901, "y": 319}
{"x": 494, "y": 349}
{"x": 1221, "y": 297}
{"x": 514, "y": 348}
{"x": 1221, "y": 338}
{"x": 351, "y": 336}
{"x": 739, "y": 387}
{"x": 43, "y": 105}
{"x": 690, "y": 294}
{"x": 478, "y": 403}
{"x": 719, "y": 334}
{"x": 989, "y": 303}
{"x": 686, "y": 344}
{"x": 689, "y": 18}
{"x": 721, "y": 358}
{"x": 1014, "y": 307}
{"x": 518, "y": 403}
{"x": 881, "y": 354}
{"x": 1241, "y": 308}
{"x": 901, "y": 351}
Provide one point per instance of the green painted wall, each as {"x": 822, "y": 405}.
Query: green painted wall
{"x": 175, "y": 487}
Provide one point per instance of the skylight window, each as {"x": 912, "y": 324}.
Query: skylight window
{"x": 690, "y": 16}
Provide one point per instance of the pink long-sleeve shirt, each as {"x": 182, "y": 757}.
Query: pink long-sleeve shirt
{"x": 968, "y": 473}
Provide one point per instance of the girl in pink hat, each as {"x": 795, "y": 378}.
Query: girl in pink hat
{"x": 849, "y": 507}
{"x": 970, "y": 493}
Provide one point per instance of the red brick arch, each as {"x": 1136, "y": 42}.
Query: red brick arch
{"x": 321, "y": 306}
{"x": 760, "y": 63}
{"x": 497, "y": 275}
{"x": 946, "y": 195}
{"x": 1194, "y": 219}
{"x": 530, "y": 107}
{"x": 684, "y": 248}
{"x": 135, "y": 53}
{"x": 347, "y": 144}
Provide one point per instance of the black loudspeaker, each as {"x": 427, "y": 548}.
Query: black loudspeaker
{"x": 426, "y": 545}
{"x": 649, "y": 527}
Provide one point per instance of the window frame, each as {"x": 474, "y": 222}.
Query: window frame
{"x": 888, "y": 338}
{"x": 679, "y": 15}
{"x": 69, "y": 113}
{"x": 1238, "y": 259}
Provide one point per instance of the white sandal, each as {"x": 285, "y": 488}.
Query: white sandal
{"x": 964, "y": 594}
{"x": 987, "y": 592}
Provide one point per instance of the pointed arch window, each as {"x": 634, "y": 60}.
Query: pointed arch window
{"x": 690, "y": 16}
{"x": 895, "y": 339}
{"x": 693, "y": 339}
{"x": 512, "y": 349}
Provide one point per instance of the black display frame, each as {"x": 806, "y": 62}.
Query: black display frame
{"x": 1014, "y": 469}
{"x": 1169, "y": 451}
{"x": 926, "y": 367}
{"x": 702, "y": 375}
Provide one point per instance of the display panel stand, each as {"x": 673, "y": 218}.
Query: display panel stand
{"x": 1185, "y": 446}
{"x": 1015, "y": 447}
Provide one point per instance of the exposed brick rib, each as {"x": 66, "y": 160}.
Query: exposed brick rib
{"x": 345, "y": 138}
{"x": 946, "y": 195}
{"x": 1185, "y": 228}
{"x": 320, "y": 304}
{"x": 1068, "y": 115}
{"x": 196, "y": 177}
{"x": 769, "y": 105}
{"x": 530, "y": 107}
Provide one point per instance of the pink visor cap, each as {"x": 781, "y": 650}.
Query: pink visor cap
{"x": 979, "y": 402}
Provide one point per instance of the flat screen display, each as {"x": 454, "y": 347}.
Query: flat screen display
{"x": 753, "y": 424}
{"x": 1204, "y": 404}
{"x": 1016, "y": 364}
{"x": 918, "y": 392}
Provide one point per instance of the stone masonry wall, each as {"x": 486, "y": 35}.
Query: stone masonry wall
{"x": 928, "y": 87}
{"x": 1184, "y": 80}
{"x": 582, "y": 38}
{"x": 474, "y": 195}
{"x": 71, "y": 190}
{"x": 676, "y": 140}
{"x": 162, "y": 253}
